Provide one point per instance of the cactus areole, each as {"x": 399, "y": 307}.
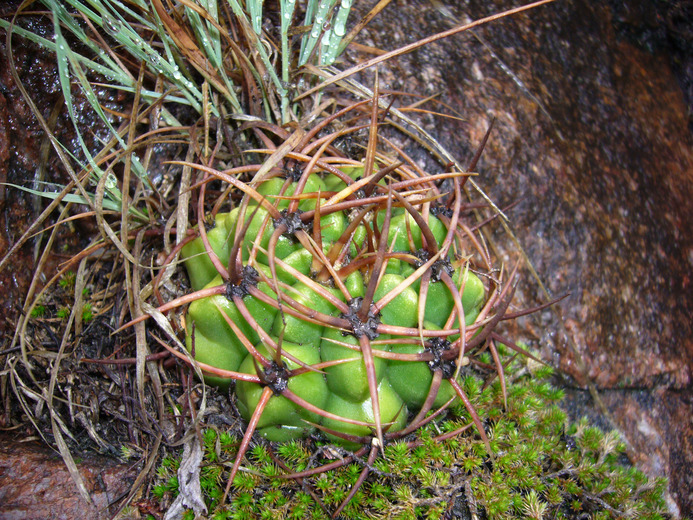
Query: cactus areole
{"x": 351, "y": 295}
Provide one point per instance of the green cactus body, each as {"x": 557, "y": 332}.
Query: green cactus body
{"x": 310, "y": 326}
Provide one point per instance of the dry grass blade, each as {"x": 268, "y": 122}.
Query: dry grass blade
{"x": 382, "y": 4}
{"x": 418, "y": 44}
{"x": 287, "y": 146}
{"x": 56, "y": 425}
{"x": 188, "y": 47}
{"x": 372, "y": 131}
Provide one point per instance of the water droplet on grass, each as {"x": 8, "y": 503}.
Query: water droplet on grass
{"x": 111, "y": 26}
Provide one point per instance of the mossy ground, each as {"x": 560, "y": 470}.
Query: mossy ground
{"x": 541, "y": 468}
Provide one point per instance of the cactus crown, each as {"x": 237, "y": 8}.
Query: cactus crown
{"x": 343, "y": 296}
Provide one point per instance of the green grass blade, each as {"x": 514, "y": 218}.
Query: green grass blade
{"x": 333, "y": 47}
{"x": 70, "y": 197}
{"x": 322, "y": 15}
{"x": 255, "y": 11}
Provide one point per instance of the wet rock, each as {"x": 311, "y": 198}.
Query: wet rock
{"x": 592, "y": 140}
{"x": 659, "y": 431}
{"x": 26, "y": 157}
{"x": 35, "y": 484}
{"x": 18, "y": 131}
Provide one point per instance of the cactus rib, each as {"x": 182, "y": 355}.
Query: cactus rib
{"x": 352, "y": 293}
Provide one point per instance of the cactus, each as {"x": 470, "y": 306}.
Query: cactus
{"x": 341, "y": 296}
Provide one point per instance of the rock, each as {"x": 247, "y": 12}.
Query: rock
{"x": 592, "y": 140}
{"x": 35, "y": 484}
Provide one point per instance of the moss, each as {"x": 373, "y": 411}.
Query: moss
{"x": 87, "y": 313}
{"x": 39, "y": 311}
{"x": 67, "y": 281}
{"x": 541, "y": 468}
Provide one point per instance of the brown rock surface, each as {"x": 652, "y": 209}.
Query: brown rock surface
{"x": 592, "y": 139}
{"x": 25, "y": 157}
{"x": 35, "y": 484}
{"x": 34, "y": 481}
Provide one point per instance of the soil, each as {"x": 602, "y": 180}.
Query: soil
{"x": 592, "y": 140}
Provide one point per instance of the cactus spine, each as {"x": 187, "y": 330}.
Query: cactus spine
{"x": 342, "y": 296}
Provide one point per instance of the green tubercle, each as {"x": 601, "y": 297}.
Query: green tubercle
{"x": 316, "y": 319}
